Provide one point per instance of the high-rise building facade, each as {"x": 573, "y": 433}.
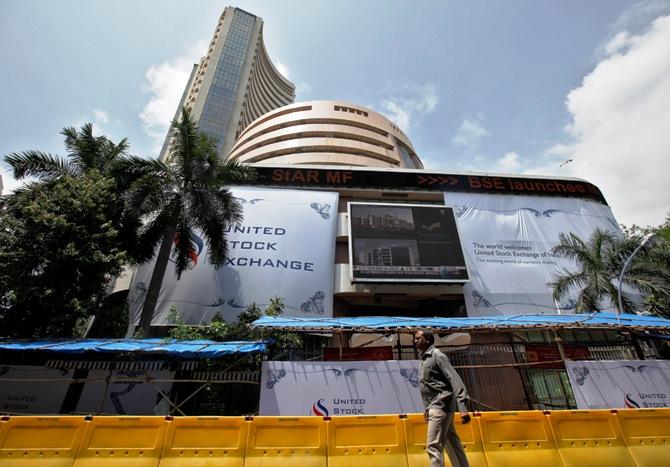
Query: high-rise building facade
{"x": 235, "y": 82}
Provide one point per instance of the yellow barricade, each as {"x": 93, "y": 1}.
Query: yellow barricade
{"x": 126, "y": 441}
{"x": 518, "y": 439}
{"x": 587, "y": 438}
{"x": 287, "y": 441}
{"x": 366, "y": 441}
{"x": 415, "y": 434}
{"x": 647, "y": 435}
{"x": 40, "y": 441}
{"x": 205, "y": 441}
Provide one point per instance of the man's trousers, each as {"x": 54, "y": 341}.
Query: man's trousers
{"x": 442, "y": 435}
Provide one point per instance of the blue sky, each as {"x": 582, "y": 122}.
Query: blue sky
{"x": 493, "y": 86}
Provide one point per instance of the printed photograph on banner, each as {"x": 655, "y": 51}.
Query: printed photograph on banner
{"x": 414, "y": 243}
{"x": 507, "y": 243}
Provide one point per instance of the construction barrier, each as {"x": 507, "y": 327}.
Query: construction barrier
{"x": 367, "y": 441}
{"x": 287, "y": 441}
{"x": 646, "y": 432}
{"x": 589, "y": 438}
{"x": 518, "y": 439}
{"x": 205, "y": 441}
{"x": 415, "y": 435}
{"x": 127, "y": 441}
{"x": 40, "y": 441}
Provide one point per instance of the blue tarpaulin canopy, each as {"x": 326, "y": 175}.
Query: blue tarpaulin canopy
{"x": 400, "y": 324}
{"x": 165, "y": 347}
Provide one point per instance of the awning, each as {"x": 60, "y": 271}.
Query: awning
{"x": 516, "y": 322}
{"x": 163, "y": 347}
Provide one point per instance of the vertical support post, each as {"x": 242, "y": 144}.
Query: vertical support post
{"x": 559, "y": 343}
{"x": 636, "y": 345}
{"x": 523, "y": 373}
{"x": 399, "y": 346}
{"x": 106, "y": 391}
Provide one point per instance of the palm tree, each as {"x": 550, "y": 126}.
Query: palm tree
{"x": 186, "y": 192}
{"x": 85, "y": 153}
{"x": 599, "y": 261}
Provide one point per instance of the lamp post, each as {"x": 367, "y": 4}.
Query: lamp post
{"x": 647, "y": 241}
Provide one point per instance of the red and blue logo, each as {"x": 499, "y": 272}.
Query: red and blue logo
{"x": 194, "y": 250}
{"x": 319, "y": 409}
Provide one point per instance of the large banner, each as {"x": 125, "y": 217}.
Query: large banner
{"x": 31, "y": 391}
{"x": 340, "y": 388}
{"x": 407, "y": 243}
{"x": 632, "y": 384}
{"x": 122, "y": 398}
{"x": 507, "y": 242}
{"x": 285, "y": 247}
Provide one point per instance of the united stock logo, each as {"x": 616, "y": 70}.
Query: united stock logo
{"x": 319, "y": 409}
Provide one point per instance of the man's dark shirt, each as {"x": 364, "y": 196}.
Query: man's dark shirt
{"x": 441, "y": 387}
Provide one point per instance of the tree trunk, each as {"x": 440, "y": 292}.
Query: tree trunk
{"x": 156, "y": 281}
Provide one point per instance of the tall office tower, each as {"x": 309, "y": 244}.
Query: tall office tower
{"x": 235, "y": 82}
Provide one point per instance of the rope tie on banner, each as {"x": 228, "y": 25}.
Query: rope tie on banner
{"x": 480, "y": 403}
{"x": 172, "y": 380}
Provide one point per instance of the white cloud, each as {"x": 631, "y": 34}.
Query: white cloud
{"x": 407, "y": 103}
{"x": 302, "y": 88}
{"x": 509, "y": 162}
{"x": 283, "y": 69}
{"x": 470, "y": 132}
{"x": 620, "y": 128}
{"x": 638, "y": 17}
{"x": 100, "y": 116}
{"x": 166, "y": 83}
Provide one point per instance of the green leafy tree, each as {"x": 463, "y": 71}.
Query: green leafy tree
{"x": 186, "y": 192}
{"x": 58, "y": 251}
{"x": 220, "y": 330}
{"x": 599, "y": 260}
{"x": 657, "y": 256}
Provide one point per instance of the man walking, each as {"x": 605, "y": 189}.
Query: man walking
{"x": 442, "y": 391}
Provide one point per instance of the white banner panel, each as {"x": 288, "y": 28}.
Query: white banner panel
{"x": 340, "y": 388}
{"x": 285, "y": 247}
{"x": 29, "y": 396}
{"x": 507, "y": 241}
{"x": 632, "y": 384}
{"x": 140, "y": 398}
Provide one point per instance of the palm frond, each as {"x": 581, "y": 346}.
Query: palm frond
{"x": 147, "y": 195}
{"x": 40, "y": 165}
{"x": 566, "y": 281}
{"x": 230, "y": 172}
{"x": 212, "y": 213}
{"x": 153, "y": 231}
{"x": 182, "y": 246}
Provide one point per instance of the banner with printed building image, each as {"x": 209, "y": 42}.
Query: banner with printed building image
{"x": 285, "y": 247}
{"x": 507, "y": 242}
